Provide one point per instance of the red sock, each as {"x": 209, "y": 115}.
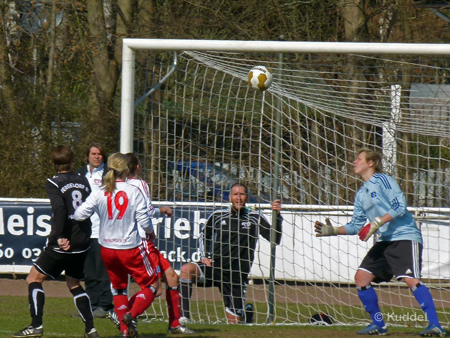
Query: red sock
{"x": 173, "y": 300}
{"x": 131, "y": 300}
{"x": 143, "y": 299}
{"x": 121, "y": 307}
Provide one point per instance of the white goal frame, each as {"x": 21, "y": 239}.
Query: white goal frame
{"x": 390, "y": 95}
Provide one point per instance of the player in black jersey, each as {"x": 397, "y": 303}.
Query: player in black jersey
{"x": 227, "y": 244}
{"x": 66, "y": 246}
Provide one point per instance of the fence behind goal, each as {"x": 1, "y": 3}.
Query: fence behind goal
{"x": 201, "y": 128}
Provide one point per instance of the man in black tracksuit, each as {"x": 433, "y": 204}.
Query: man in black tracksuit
{"x": 227, "y": 244}
{"x": 97, "y": 280}
{"x": 66, "y": 247}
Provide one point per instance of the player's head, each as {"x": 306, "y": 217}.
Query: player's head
{"x": 238, "y": 196}
{"x": 367, "y": 160}
{"x": 96, "y": 155}
{"x": 134, "y": 165}
{"x": 62, "y": 158}
{"x": 118, "y": 169}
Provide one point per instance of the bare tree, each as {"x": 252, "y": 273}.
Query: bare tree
{"x": 8, "y": 91}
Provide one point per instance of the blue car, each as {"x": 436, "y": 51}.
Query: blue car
{"x": 204, "y": 182}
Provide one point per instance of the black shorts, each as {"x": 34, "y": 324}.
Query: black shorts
{"x": 233, "y": 293}
{"x": 53, "y": 263}
{"x": 398, "y": 258}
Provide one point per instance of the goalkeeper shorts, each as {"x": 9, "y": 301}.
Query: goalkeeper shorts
{"x": 398, "y": 258}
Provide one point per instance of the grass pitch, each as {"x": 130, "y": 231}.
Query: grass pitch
{"x": 58, "y": 323}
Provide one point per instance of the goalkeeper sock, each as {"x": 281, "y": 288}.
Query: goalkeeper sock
{"x": 425, "y": 300}
{"x": 186, "y": 293}
{"x": 369, "y": 299}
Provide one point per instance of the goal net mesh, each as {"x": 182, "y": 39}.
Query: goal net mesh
{"x": 204, "y": 129}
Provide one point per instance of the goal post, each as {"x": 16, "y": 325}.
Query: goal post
{"x": 205, "y": 128}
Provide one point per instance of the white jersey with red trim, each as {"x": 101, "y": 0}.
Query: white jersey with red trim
{"x": 95, "y": 178}
{"x": 121, "y": 214}
{"x": 143, "y": 187}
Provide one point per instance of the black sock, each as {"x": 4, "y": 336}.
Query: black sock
{"x": 83, "y": 304}
{"x": 36, "y": 300}
{"x": 186, "y": 293}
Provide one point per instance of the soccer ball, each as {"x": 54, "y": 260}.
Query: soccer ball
{"x": 259, "y": 78}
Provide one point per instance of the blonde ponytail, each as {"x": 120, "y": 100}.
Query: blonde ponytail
{"x": 109, "y": 182}
{"x": 118, "y": 167}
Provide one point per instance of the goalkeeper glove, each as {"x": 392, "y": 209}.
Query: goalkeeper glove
{"x": 364, "y": 231}
{"x": 370, "y": 229}
{"x": 325, "y": 229}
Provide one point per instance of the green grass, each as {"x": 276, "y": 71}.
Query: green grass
{"x": 297, "y": 313}
{"x": 58, "y": 323}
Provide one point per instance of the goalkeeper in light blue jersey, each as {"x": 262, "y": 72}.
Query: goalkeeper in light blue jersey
{"x": 381, "y": 195}
{"x": 398, "y": 250}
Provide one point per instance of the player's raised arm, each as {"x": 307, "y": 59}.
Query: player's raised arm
{"x": 206, "y": 241}
{"x": 264, "y": 225}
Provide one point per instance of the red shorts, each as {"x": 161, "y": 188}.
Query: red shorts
{"x": 133, "y": 262}
{"x": 156, "y": 257}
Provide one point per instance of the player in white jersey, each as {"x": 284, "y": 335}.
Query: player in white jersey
{"x": 168, "y": 274}
{"x": 398, "y": 250}
{"x": 122, "y": 210}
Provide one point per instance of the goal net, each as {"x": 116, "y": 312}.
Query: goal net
{"x": 198, "y": 128}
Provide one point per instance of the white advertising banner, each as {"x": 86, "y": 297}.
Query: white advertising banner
{"x": 25, "y": 224}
